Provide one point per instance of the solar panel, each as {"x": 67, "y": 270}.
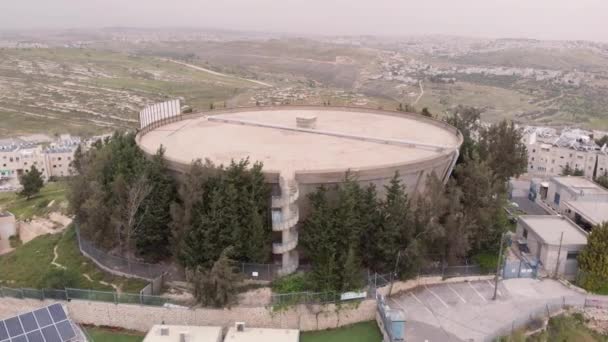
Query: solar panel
{"x": 57, "y": 313}
{"x": 43, "y": 317}
{"x": 13, "y": 326}
{"x": 28, "y": 322}
{"x": 49, "y": 324}
{"x": 3, "y": 331}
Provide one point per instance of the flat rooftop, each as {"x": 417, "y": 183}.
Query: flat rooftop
{"x": 581, "y": 185}
{"x": 342, "y": 139}
{"x": 194, "y": 333}
{"x": 261, "y": 334}
{"x": 596, "y": 212}
{"x": 550, "y": 227}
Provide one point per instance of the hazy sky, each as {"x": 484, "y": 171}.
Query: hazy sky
{"x": 544, "y": 19}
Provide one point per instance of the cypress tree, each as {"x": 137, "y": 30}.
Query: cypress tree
{"x": 153, "y": 236}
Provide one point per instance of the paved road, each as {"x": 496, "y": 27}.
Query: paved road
{"x": 196, "y": 67}
{"x": 466, "y": 311}
{"x": 529, "y": 207}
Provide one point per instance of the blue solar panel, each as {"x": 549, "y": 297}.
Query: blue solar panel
{"x": 43, "y": 317}
{"x": 35, "y": 336}
{"x": 13, "y": 326}
{"x": 28, "y": 322}
{"x": 65, "y": 330}
{"x": 3, "y": 332}
{"x": 50, "y": 334}
{"x": 49, "y": 324}
{"x": 57, "y": 313}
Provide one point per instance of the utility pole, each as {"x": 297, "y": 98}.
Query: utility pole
{"x": 559, "y": 252}
{"x": 390, "y": 290}
{"x": 502, "y": 239}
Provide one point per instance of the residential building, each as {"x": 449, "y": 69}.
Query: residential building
{"x": 183, "y": 333}
{"x": 549, "y": 153}
{"x": 18, "y": 156}
{"x": 554, "y": 241}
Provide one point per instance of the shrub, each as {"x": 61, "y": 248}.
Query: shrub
{"x": 298, "y": 282}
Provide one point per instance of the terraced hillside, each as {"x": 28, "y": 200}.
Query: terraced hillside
{"x": 90, "y": 91}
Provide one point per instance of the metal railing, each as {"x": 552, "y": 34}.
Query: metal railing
{"x": 119, "y": 265}
{"x": 68, "y": 294}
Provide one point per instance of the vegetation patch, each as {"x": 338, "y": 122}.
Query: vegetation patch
{"x": 38, "y": 205}
{"x": 30, "y": 266}
{"x": 360, "y": 332}
{"x": 107, "y": 334}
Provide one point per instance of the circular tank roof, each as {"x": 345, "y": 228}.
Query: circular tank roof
{"x": 340, "y": 139}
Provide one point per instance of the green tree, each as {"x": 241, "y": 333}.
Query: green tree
{"x": 467, "y": 121}
{"x": 502, "y": 147}
{"x": 153, "y": 233}
{"x": 31, "y": 182}
{"x": 217, "y": 286}
{"x": 593, "y": 260}
{"x": 602, "y": 180}
{"x": 568, "y": 170}
{"x": 317, "y": 239}
{"x": 425, "y": 112}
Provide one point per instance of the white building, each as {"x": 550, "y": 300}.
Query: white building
{"x": 578, "y": 198}
{"x": 240, "y": 333}
{"x": 17, "y": 157}
{"x": 552, "y": 240}
{"x": 183, "y": 333}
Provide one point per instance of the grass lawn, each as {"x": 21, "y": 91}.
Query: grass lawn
{"x": 55, "y": 192}
{"x": 28, "y": 265}
{"x": 113, "y": 335}
{"x": 360, "y": 332}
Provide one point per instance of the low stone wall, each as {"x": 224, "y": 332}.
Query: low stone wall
{"x": 142, "y": 318}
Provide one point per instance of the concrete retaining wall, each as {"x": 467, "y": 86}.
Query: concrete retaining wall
{"x": 303, "y": 317}
{"x": 142, "y": 318}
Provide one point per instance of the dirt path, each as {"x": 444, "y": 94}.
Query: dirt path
{"x": 196, "y": 67}
{"x": 421, "y": 93}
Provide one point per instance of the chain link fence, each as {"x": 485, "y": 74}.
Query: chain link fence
{"x": 119, "y": 265}
{"x": 81, "y": 294}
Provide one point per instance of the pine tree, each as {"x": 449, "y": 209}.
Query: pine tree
{"x": 217, "y": 286}
{"x": 317, "y": 239}
{"x": 396, "y": 231}
{"x": 502, "y": 147}
{"x": 31, "y": 182}
{"x": 593, "y": 260}
{"x": 153, "y": 236}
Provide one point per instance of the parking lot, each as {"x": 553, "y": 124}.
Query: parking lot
{"x": 466, "y": 311}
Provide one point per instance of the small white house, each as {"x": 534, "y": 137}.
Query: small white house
{"x": 552, "y": 240}
{"x": 183, "y": 333}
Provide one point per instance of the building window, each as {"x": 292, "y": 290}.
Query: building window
{"x": 572, "y": 255}
{"x": 556, "y": 199}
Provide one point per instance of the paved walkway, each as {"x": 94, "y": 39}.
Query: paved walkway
{"x": 466, "y": 311}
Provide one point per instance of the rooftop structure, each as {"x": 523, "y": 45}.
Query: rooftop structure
{"x": 260, "y": 334}
{"x": 303, "y": 148}
{"x": 580, "y": 186}
{"x": 550, "y": 152}
{"x": 553, "y": 242}
{"x": 183, "y": 333}
{"x": 361, "y": 139}
{"x": 549, "y": 229}
{"x": 593, "y": 212}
